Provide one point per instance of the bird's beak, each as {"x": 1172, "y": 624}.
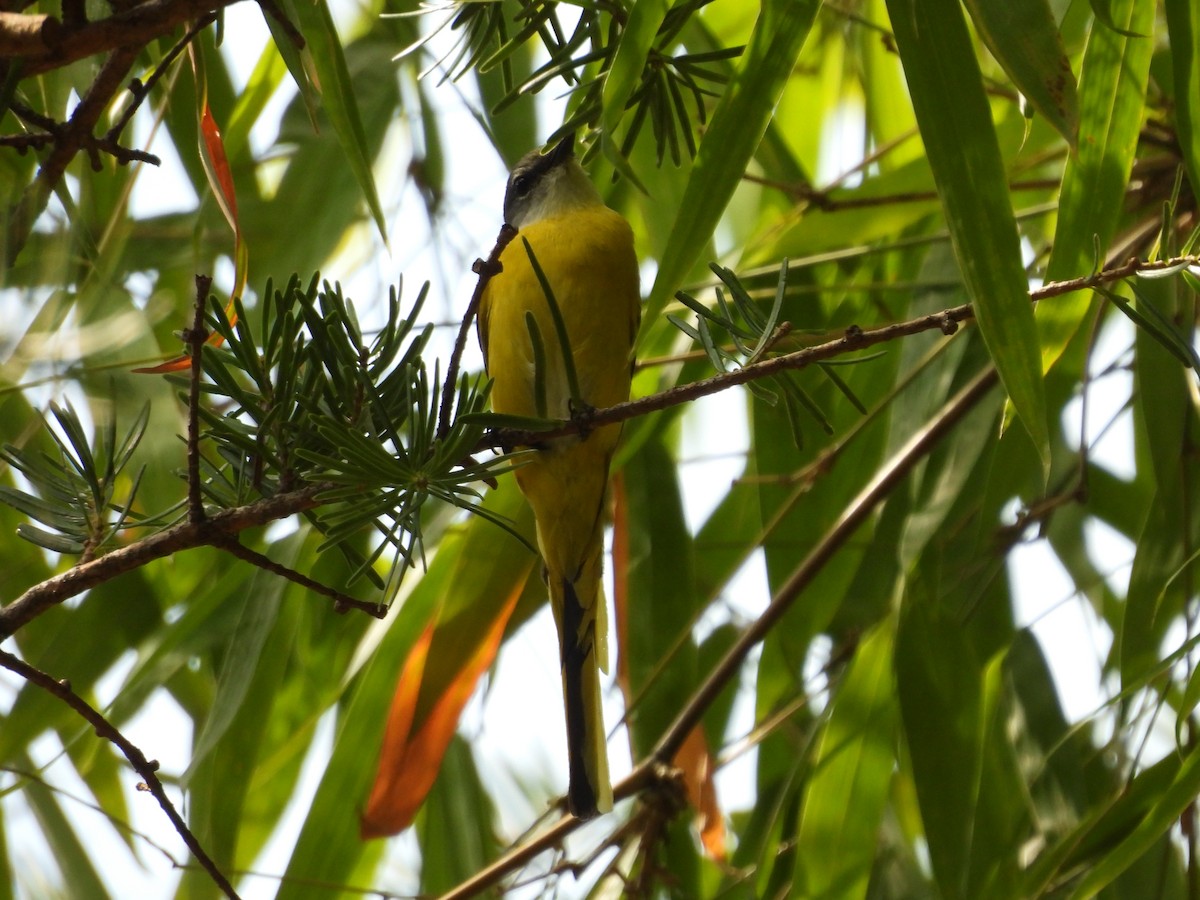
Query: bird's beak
{"x": 563, "y": 150}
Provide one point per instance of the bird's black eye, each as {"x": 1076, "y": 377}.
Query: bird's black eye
{"x": 521, "y": 185}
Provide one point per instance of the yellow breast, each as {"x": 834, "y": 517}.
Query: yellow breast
{"x": 588, "y": 257}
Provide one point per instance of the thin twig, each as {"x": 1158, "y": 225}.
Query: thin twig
{"x": 856, "y": 513}
{"x": 141, "y": 89}
{"x": 73, "y": 137}
{"x": 184, "y": 536}
{"x": 341, "y": 602}
{"x": 854, "y": 338}
{"x": 485, "y": 269}
{"x": 195, "y": 340}
{"x": 146, "y": 768}
{"x": 552, "y": 837}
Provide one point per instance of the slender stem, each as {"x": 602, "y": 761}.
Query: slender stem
{"x": 195, "y": 340}
{"x": 855, "y": 514}
{"x": 341, "y": 602}
{"x": 485, "y": 269}
{"x": 146, "y": 768}
{"x": 854, "y": 338}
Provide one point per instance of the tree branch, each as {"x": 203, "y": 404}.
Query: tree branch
{"x": 341, "y": 602}
{"x": 48, "y": 44}
{"x": 184, "y": 536}
{"x": 146, "y": 768}
{"x": 485, "y": 269}
{"x": 854, "y": 338}
{"x": 194, "y": 339}
{"x": 75, "y": 135}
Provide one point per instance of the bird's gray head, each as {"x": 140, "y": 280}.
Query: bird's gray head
{"x": 545, "y": 185}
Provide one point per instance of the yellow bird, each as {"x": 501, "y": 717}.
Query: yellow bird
{"x": 586, "y": 252}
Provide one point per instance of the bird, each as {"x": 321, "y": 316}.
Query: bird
{"x": 586, "y": 253}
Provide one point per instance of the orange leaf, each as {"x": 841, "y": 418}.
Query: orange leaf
{"x": 694, "y": 760}
{"x": 178, "y": 364}
{"x": 407, "y": 768}
{"x": 216, "y": 167}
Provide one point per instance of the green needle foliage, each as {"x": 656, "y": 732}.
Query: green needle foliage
{"x": 74, "y": 484}
{"x": 316, "y": 402}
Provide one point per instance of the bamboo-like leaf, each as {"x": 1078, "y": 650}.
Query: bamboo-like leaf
{"x": 844, "y": 799}
{"x": 1183, "y": 29}
{"x": 66, "y": 845}
{"x": 1162, "y": 815}
{"x": 256, "y": 620}
{"x": 1112, "y": 94}
{"x": 734, "y": 131}
{"x": 1024, "y": 38}
{"x": 939, "y": 686}
{"x": 560, "y": 327}
{"x": 625, "y": 72}
{"x": 337, "y": 96}
{"x": 956, "y": 125}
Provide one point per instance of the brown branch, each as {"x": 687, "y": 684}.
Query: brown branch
{"x": 854, "y": 338}
{"x": 146, "y": 768}
{"x": 26, "y": 34}
{"x": 485, "y": 269}
{"x": 141, "y": 90}
{"x": 195, "y": 339}
{"x": 184, "y": 536}
{"x": 485, "y": 878}
{"x": 74, "y": 136}
{"x": 341, "y": 602}
{"x": 856, "y": 513}
{"x": 53, "y": 46}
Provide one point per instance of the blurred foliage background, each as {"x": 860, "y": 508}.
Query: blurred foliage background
{"x": 984, "y": 686}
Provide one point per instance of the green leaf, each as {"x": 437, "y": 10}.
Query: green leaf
{"x": 1183, "y": 29}
{"x": 256, "y": 616}
{"x": 1161, "y": 817}
{"x": 655, "y": 640}
{"x": 623, "y": 76}
{"x": 457, "y": 814}
{"x": 1024, "y": 38}
{"x": 956, "y": 124}
{"x": 80, "y": 878}
{"x": 733, "y": 135}
{"x": 845, "y": 798}
{"x": 337, "y": 95}
{"x": 1112, "y": 94}
{"x": 939, "y": 685}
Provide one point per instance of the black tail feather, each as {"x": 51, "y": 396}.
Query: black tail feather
{"x": 581, "y": 795}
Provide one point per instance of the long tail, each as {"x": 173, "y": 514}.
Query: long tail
{"x": 590, "y": 791}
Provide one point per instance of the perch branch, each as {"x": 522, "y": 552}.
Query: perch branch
{"x": 854, "y": 338}
{"x": 485, "y": 269}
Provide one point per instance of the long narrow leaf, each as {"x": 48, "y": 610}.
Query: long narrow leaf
{"x": 956, "y": 124}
